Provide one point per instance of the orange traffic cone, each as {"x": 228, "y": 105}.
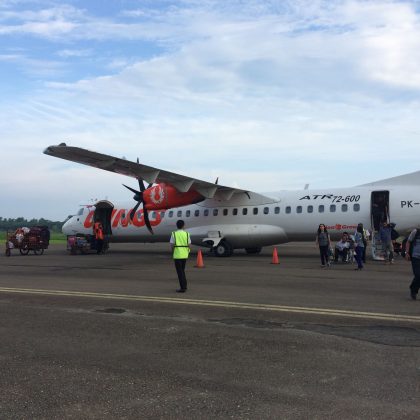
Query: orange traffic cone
{"x": 275, "y": 259}
{"x": 199, "y": 263}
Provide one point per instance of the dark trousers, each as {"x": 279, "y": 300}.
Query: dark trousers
{"x": 180, "y": 270}
{"x": 323, "y": 252}
{"x": 415, "y": 284}
{"x": 358, "y": 256}
{"x": 99, "y": 245}
{"x": 343, "y": 253}
{"x": 364, "y": 252}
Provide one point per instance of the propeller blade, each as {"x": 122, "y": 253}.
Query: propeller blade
{"x": 133, "y": 212}
{"x": 131, "y": 189}
{"x": 138, "y": 196}
{"x": 146, "y": 220}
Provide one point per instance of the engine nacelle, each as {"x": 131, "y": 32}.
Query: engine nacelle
{"x": 163, "y": 196}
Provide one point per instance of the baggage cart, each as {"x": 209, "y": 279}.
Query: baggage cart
{"x": 35, "y": 239}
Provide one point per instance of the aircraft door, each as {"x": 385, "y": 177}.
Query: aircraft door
{"x": 103, "y": 214}
{"x": 379, "y": 208}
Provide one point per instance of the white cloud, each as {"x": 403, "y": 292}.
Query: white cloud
{"x": 68, "y": 53}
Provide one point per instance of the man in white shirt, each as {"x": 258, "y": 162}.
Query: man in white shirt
{"x": 342, "y": 248}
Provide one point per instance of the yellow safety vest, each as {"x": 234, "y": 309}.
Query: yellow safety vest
{"x": 181, "y": 247}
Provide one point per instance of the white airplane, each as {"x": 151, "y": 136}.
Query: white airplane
{"x": 226, "y": 218}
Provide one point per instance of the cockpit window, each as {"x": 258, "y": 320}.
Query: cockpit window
{"x": 80, "y": 212}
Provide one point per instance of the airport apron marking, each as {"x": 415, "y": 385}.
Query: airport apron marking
{"x": 220, "y": 304}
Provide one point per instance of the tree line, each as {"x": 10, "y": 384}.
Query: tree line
{"x": 13, "y": 224}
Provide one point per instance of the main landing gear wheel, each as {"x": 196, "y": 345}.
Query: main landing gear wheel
{"x": 223, "y": 249}
{"x": 255, "y": 250}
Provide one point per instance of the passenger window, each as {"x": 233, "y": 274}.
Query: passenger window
{"x": 235, "y": 212}
{"x": 187, "y": 213}
{"x": 171, "y": 213}
{"x": 225, "y": 212}
{"x": 215, "y": 212}
{"x": 197, "y": 213}
{"x": 299, "y": 209}
{"x": 255, "y": 210}
{"x": 206, "y": 212}
{"x": 244, "y": 211}
{"x": 310, "y": 209}
{"x": 266, "y": 210}
{"x": 332, "y": 208}
{"x": 344, "y": 207}
{"x": 276, "y": 210}
{"x": 162, "y": 214}
{"x": 321, "y": 208}
{"x": 288, "y": 209}
{"x": 356, "y": 207}
{"x": 179, "y": 213}
{"x": 153, "y": 215}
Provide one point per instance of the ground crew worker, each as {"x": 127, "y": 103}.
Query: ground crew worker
{"x": 99, "y": 236}
{"x": 180, "y": 245}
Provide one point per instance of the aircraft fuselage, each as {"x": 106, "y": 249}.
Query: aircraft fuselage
{"x": 252, "y": 220}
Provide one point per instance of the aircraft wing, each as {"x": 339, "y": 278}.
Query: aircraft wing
{"x": 137, "y": 170}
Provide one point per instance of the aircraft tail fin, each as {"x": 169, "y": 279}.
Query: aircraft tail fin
{"x": 412, "y": 178}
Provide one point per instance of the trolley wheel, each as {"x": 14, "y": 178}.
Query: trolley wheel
{"x": 24, "y": 251}
{"x": 39, "y": 251}
{"x": 8, "y": 252}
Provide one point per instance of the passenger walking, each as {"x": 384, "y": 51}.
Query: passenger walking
{"x": 366, "y": 235}
{"x": 180, "y": 244}
{"x": 324, "y": 243}
{"x": 412, "y": 252}
{"x": 385, "y": 233}
{"x": 359, "y": 247}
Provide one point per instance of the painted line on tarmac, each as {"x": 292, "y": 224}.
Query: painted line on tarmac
{"x": 220, "y": 304}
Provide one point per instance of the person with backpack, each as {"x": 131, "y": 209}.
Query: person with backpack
{"x": 324, "y": 243}
{"x": 412, "y": 253}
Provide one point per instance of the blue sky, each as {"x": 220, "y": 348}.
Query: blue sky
{"x": 265, "y": 95}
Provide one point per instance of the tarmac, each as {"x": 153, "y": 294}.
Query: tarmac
{"x": 106, "y": 337}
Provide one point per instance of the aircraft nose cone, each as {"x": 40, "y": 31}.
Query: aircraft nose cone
{"x": 69, "y": 227}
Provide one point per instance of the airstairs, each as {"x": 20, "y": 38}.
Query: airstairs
{"x": 377, "y": 248}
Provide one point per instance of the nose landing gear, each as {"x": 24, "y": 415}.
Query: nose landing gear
{"x": 223, "y": 249}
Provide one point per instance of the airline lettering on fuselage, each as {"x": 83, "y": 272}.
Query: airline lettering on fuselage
{"x": 122, "y": 218}
{"x": 408, "y": 204}
{"x": 342, "y": 227}
{"x": 333, "y": 198}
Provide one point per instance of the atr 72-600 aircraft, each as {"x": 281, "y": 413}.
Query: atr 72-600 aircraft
{"x": 226, "y": 218}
